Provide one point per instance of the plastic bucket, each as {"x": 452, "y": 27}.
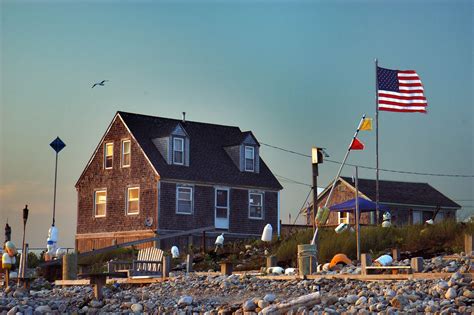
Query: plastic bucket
{"x": 307, "y": 259}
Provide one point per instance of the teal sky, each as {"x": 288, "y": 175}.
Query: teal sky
{"x": 297, "y": 74}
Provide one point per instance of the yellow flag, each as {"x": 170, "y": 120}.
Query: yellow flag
{"x": 366, "y": 124}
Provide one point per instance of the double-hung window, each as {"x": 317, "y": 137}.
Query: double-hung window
{"x": 126, "y": 152}
{"x": 249, "y": 159}
{"x": 255, "y": 205}
{"x": 100, "y": 203}
{"x": 343, "y": 217}
{"x": 109, "y": 155}
{"x": 133, "y": 200}
{"x": 184, "y": 200}
{"x": 178, "y": 151}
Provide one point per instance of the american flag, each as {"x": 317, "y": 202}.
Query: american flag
{"x": 400, "y": 91}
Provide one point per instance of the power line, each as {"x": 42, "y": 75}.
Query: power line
{"x": 370, "y": 167}
{"x": 299, "y": 211}
{"x": 289, "y": 180}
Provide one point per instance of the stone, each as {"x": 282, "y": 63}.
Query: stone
{"x": 329, "y": 299}
{"x": 96, "y": 304}
{"x": 185, "y": 300}
{"x": 361, "y": 300}
{"x": 451, "y": 294}
{"x": 399, "y": 301}
{"x": 136, "y": 308}
{"x": 13, "y": 310}
{"x": 249, "y": 305}
{"x": 352, "y": 298}
{"x": 456, "y": 276}
{"x": 469, "y": 294}
{"x": 270, "y": 298}
{"x": 43, "y": 309}
{"x": 263, "y": 303}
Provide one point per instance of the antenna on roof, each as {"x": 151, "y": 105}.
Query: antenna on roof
{"x": 184, "y": 117}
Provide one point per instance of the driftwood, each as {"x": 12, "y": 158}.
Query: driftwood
{"x": 282, "y": 308}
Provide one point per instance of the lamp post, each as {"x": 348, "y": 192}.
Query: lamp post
{"x": 23, "y": 247}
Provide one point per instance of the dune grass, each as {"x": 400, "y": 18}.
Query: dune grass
{"x": 444, "y": 237}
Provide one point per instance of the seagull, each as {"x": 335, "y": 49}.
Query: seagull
{"x": 100, "y": 83}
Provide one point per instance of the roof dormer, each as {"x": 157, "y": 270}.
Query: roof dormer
{"x": 174, "y": 147}
{"x": 245, "y": 154}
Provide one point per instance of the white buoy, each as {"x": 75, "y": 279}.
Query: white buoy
{"x": 430, "y": 221}
{"x": 53, "y": 233}
{"x": 267, "y": 233}
{"x": 384, "y": 260}
{"x": 290, "y": 271}
{"x": 341, "y": 228}
{"x": 174, "y": 252}
{"x": 220, "y": 240}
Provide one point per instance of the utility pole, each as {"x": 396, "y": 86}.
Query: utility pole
{"x": 316, "y": 159}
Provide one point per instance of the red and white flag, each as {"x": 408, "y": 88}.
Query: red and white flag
{"x": 400, "y": 91}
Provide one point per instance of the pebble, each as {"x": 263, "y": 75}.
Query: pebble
{"x": 249, "y": 305}
{"x": 450, "y": 294}
{"x": 136, "y": 308}
{"x": 185, "y": 300}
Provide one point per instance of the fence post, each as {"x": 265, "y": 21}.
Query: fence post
{"x": 468, "y": 244}
{"x": 166, "y": 266}
{"x": 365, "y": 261}
{"x": 189, "y": 263}
{"x": 70, "y": 267}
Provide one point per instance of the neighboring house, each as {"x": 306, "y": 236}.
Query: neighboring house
{"x": 152, "y": 175}
{"x": 409, "y": 203}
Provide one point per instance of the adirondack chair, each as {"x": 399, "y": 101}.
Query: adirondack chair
{"x": 148, "y": 263}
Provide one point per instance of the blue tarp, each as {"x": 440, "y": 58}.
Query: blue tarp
{"x": 364, "y": 206}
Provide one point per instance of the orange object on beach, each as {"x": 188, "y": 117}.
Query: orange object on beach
{"x": 340, "y": 259}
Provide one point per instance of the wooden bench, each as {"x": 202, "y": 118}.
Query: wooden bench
{"x": 148, "y": 263}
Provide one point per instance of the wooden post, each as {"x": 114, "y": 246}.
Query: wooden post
{"x": 396, "y": 254}
{"x": 166, "y": 266}
{"x": 189, "y": 263}
{"x": 98, "y": 283}
{"x": 365, "y": 261}
{"x": 226, "y": 268}
{"x": 70, "y": 267}
{"x": 417, "y": 264}
{"x": 271, "y": 261}
{"x": 7, "y": 278}
{"x": 468, "y": 244}
{"x": 203, "y": 242}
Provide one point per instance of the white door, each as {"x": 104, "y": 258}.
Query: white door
{"x": 222, "y": 208}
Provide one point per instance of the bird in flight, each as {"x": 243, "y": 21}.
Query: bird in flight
{"x": 100, "y": 83}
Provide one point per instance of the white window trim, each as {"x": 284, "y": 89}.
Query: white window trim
{"x": 105, "y": 155}
{"x": 127, "y": 200}
{"x": 182, "y": 150}
{"x": 228, "y": 201}
{"x": 339, "y": 217}
{"x": 245, "y": 158}
{"x": 95, "y": 204}
{"x": 123, "y": 153}
{"x": 263, "y": 205}
{"x": 192, "y": 199}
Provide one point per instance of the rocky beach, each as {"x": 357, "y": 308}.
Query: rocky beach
{"x": 212, "y": 293}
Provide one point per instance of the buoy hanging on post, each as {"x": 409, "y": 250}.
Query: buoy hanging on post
{"x": 267, "y": 233}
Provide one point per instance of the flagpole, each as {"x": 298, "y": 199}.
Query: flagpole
{"x": 377, "y": 214}
{"x": 313, "y": 241}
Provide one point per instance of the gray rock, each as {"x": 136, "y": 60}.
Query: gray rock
{"x": 249, "y": 306}
{"x": 451, "y": 294}
{"x": 352, "y": 298}
{"x": 136, "y": 308}
{"x": 270, "y": 298}
{"x": 469, "y": 294}
{"x": 43, "y": 309}
{"x": 96, "y": 304}
{"x": 185, "y": 300}
{"x": 262, "y": 303}
{"x": 361, "y": 300}
{"x": 13, "y": 310}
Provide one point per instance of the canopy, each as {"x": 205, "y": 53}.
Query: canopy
{"x": 364, "y": 206}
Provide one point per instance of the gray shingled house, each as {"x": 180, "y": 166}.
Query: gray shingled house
{"x": 152, "y": 175}
{"x": 409, "y": 202}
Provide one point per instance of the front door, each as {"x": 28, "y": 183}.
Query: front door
{"x": 222, "y": 208}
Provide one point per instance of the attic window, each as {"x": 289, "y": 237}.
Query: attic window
{"x": 178, "y": 151}
{"x": 109, "y": 155}
{"x": 125, "y": 153}
{"x": 249, "y": 159}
